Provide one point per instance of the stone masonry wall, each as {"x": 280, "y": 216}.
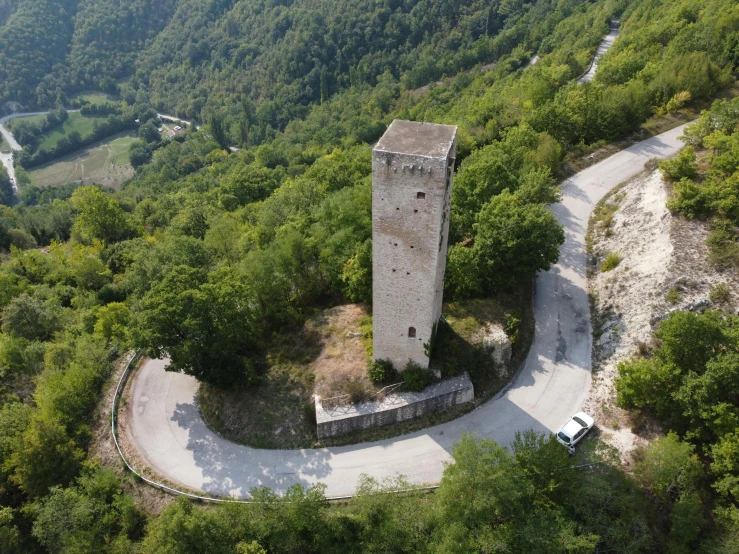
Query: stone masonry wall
{"x": 444, "y": 238}
{"x": 411, "y": 197}
{"x": 394, "y": 408}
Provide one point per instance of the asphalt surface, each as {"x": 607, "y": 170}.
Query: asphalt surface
{"x": 604, "y": 47}
{"x": 168, "y": 432}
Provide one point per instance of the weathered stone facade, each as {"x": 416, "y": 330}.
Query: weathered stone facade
{"x": 412, "y": 169}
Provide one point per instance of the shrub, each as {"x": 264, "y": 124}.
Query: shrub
{"x": 681, "y": 166}
{"x": 20, "y": 239}
{"x": 513, "y": 323}
{"x": 673, "y": 296}
{"x": 643, "y": 349}
{"x": 723, "y": 245}
{"x": 687, "y": 199}
{"x": 611, "y": 262}
{"x": 719, "y": 294}
{"x": 357, "y": 391}
{"x": 652, "y": 164}
{"x": 678, "y": 101}
{"x": 416, "y": 378}
{"x": 381, "y": 371}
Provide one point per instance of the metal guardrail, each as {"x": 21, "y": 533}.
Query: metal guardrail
{"x": 177, "y": 492}
{"x": 148, "y": 481}
{"x": 338, "y": 403}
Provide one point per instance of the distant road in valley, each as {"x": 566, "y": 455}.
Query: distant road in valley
{"x": 7, "y": 159}
{"x": 166, "y": 429}
{"x": 176, "y": 119}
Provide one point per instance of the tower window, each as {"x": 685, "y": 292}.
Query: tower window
{"x": 411, "y": 332}
{"x": 421, "y": 195}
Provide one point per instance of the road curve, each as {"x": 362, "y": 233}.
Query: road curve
{"x": 7, "y": 159}
{"x": 166, "y": 428}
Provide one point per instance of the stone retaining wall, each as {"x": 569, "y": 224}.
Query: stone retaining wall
{"x": 393, "y": 408}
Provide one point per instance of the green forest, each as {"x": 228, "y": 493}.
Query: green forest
{"x": 209, "y": 253}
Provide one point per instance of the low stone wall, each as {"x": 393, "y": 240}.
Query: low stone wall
{"x": 393, "y": 408}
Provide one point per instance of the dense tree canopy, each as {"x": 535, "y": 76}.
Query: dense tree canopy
{"x": 691, "y": 382}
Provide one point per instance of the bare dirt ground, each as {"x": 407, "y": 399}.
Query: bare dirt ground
{"x": 663, "y": 267}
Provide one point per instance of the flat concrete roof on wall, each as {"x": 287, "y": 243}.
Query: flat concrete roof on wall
{"x": 429, "y": 140}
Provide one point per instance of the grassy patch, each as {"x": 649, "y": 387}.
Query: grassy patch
{"x": 4, "y": 146}
{"x": 610, "y": 262}
{"x": 601, "y": 220}
{"x": 278, "y": 413}
{"x": 104, "y": 163}
{"x": 76, "y": 122}
{"x": 94, "y": 97}
{"x": 10, "y": 124}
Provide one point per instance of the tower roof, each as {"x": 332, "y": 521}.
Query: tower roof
{"x": 429, "y": 140}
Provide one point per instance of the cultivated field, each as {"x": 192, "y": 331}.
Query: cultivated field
{"x": 103, "y": 163}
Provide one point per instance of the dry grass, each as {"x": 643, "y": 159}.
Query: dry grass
{"x": 342, "y": 364}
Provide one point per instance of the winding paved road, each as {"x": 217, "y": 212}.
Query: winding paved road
{"x": 168, "y": 432}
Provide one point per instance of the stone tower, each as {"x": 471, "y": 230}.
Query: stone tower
{"x": 412, "y": 168}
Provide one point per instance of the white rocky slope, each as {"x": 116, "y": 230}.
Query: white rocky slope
{"x": 658, "y": 253}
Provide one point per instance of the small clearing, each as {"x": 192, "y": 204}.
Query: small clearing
{"x": 660, "y": 265}
{"x": 328, "y": 356}
{"x": 343, "y": 333}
